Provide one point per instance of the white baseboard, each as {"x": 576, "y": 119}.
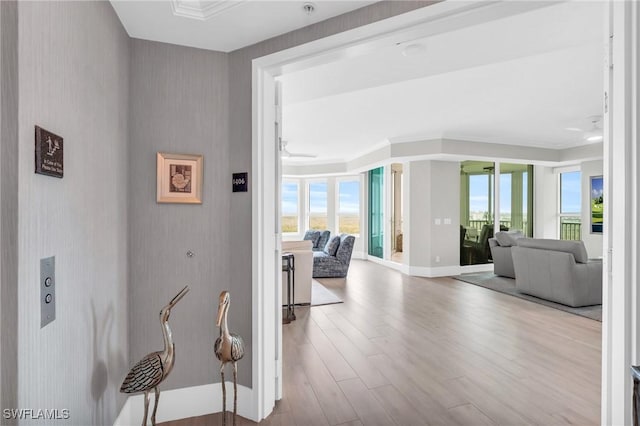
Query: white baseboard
{"x": 470, "y": 269}
{"x": 432, "y": 272}
{"x": 124, "y": 418}
{"x": 359, "y": 255}
{"x": 188, "y": 402}
{"x": 428, "y": 271}
{"x": 388, "y": 263}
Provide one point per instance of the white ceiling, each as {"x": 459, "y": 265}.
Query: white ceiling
{"x": 520, "y": 80}
{"x": 222, "y": 25}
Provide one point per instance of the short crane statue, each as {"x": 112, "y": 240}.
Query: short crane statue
{"x": 151, "y": 370}
{"x": 229, "y": 347}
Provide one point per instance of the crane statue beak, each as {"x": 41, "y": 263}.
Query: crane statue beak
{"x": 220, "y": 314}
{"x": 222, "y": 304}
{"x": 179, "y": 296}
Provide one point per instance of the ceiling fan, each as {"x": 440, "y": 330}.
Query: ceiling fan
{"x": 593, "y": 133}
{"x": 284, "y": 152}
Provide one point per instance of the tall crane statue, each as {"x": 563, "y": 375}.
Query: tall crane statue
{"x": 151, "y": 370}
{"x": 229, "y": 347}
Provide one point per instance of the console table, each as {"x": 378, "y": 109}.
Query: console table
{"x": 289, "y": 266}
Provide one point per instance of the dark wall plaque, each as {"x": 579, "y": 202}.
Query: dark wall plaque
{"x": 49, "y": 153}
{"x": 240, "y": 182}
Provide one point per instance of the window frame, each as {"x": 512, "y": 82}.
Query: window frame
{"x": 298, "y": 212}
{"x": 307, "y": 206}
{"x": 559, "y": 213}
{"x": 349, "y": 178}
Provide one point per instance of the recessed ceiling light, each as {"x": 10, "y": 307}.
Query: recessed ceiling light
{"x": 414, "y": 49}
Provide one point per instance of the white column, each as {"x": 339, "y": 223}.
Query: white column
{"x": 332, "y": 206}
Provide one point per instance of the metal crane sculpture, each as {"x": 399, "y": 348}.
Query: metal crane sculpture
{"x": 151, "y": 370}
{"x": 229, "y": 347}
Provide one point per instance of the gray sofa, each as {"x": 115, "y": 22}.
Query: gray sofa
{"x": 333, "y": 261}
{"x": 500, "y": 247}
{"x": 557, "y": 270}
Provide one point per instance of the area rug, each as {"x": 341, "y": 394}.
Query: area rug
{"x": 508, "y": 286}
{"x": 320, "y": 295}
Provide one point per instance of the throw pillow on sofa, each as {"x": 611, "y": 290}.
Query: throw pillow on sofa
{"x": 312, "y": 236}
{"x": 332, "y": 246}
{"x": 323, "y": 240}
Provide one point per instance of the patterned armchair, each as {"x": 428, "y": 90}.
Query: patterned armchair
{"x": 334, "y": 260}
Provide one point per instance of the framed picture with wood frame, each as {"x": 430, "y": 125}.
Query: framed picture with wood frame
{"x": 179, "y": 178}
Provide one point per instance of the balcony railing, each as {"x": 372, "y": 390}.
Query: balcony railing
{"x": 570, "y": 230}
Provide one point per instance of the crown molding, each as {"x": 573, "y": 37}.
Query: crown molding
{"x": 202, "y": 10}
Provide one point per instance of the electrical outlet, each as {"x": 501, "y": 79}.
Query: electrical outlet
{"x": 47, "y": 290}
{"x": 437, "y": 259}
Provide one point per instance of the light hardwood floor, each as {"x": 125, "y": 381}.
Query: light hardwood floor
{"x": 415, "y": 351}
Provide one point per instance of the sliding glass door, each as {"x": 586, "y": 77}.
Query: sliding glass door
{"x": 479, "y": 201}
{"x": 476, "y": 211}
{"x": 376, "y": 206}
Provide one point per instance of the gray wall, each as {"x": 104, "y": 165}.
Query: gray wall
{"x": 445, "y": 199}
{"x": 74, "y": 81}
{"x": 9, "y": 205}
{"x": 179, "y": 99}
{"x": 432, "y": 193}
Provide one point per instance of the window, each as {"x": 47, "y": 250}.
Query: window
{"x": 570, "y": 205}
{"x": 349, "y": 207}
{"x": 290, "y": 216}
{"x": 318, "y": 205}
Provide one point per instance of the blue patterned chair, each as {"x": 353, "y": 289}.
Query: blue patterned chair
{"x": 333, "y": 261}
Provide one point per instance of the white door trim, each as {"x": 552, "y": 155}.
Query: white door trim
{"x": 620, "y": 166}
{"x": 441, "y": 17}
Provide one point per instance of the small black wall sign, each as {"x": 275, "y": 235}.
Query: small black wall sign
{"x": 49, "y": 153}
{"x": 240, "y": 182}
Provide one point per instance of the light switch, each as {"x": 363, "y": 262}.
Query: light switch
{"x": 438, "y": 221}
{"x": 447, "y": 221}
{"x": 47, "y": 290}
